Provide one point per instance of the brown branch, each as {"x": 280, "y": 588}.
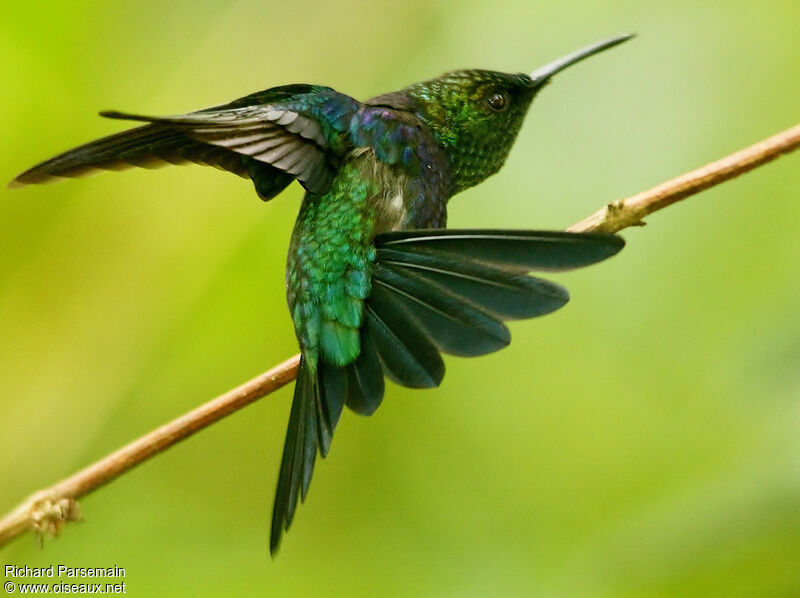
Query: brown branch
{"x": 47, "y": 510}
{"x": 630, "y": 212}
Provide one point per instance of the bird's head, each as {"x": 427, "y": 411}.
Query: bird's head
{"x": 476, "y": 114}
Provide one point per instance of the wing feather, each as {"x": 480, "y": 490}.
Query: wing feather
{"x": 286, "y": 129}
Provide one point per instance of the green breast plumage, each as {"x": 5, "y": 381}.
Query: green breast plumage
{"x": 328, "y": 266}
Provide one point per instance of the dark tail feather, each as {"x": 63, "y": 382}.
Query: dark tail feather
{"x": 299, "y": 454}
{"x": 332, "y": 394}
{"x": 317, "y": 404}
{"x": 365, "y": 379}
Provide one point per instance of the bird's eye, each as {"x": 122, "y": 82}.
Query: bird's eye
{"x": 497, "y": 101}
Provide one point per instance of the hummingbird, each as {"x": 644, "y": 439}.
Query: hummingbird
{"x": 377, "y": 286}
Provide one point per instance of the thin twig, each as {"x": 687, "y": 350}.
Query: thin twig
{"x": 630, "y": 212}
{"x": 48, "y": 510}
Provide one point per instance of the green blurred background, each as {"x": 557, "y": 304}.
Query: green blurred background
{"x": 641, "y": 442}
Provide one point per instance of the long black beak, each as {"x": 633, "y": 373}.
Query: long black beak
{"x": 542, "y": 75}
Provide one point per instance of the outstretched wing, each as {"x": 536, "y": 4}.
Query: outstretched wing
{"x": 274, "y": 136}
{"x": 451, "y": 290}
{"x": 433, "y": 291}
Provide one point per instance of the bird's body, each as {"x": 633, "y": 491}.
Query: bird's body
{"x": 374, "y": 286}
{"x": 377, "y": 189}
